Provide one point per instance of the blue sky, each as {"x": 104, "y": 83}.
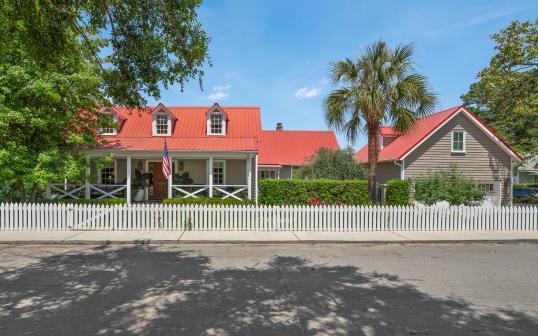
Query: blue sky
{"x": 276, "y": 54}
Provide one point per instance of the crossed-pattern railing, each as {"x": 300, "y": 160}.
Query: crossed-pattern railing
{"x": 78, "y": 191}
{"x": 235, "y": 191}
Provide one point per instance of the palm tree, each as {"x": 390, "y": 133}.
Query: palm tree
{"x": 380, "y": 86}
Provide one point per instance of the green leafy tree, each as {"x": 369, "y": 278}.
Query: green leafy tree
{"x": 61, "y": 60}
{"x": 379, "y": 86}
{"x": 506, "y": 94}
{"x": 333, "y": 164}
{"x": 448, "y": 185}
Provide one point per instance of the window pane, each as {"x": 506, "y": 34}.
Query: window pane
{"x": 107, "y": 175}
{"x": 216, "y": 124}
{"x": 457, "y": 141}
{"x": 162, "y": 124}
{"x": 218, "y": 172}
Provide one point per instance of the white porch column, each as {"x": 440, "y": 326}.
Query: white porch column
{"x": 128, "y": 179}
{"x": 249, "y": 177}
{"x": 210, "y": 176}
{"x": 146, "y": 170}
{"x": 87, "y": 193}
{"x": 170, "y": 176}
{"x": 256, "y": 178}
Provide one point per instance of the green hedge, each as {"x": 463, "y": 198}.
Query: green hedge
{"x": 207, "y": 200}
{"x": 102, "y": 201}
{"x": 526, "y": 185}
{"x": 300, "y": 192}
{"x": 397, "y": 192}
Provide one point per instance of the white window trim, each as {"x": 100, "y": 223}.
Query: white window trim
{"x": 271, "y": 169}
{"x": 154, "y": 123}
{"x": 464, "y": 141}
{"x": 100, "y": 177}
{"x": 223, "y": 172}
{"x": 208, "y": 122}
{"x": 115, "y": 118}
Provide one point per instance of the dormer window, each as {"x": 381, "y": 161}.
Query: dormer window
{"x": 216, "y": 121}
{"x": 108, "y": 122}
{"x": 162, "y": 121}
{"x": 162, "y": 124}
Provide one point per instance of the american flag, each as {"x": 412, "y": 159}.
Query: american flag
{"x": 166, "y": 161}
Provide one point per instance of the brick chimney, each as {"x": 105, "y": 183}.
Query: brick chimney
{"x": 279, "y": 126}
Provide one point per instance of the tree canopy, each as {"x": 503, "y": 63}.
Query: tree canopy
{"x": 61, "y": 60}
{"x": 337, "y": 164}
{"x": 506, "y": 94}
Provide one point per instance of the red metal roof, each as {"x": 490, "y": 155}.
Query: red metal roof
{"x": 293, "y": 147}
{"x": 188, "y": 130}
{"x": 423, "y": 128}
{"x": 388, "y": 130}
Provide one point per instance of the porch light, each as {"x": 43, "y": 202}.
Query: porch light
{"x": 180, "y": 165}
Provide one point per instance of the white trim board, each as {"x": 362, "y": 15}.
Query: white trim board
{"x": 469, "y": 116}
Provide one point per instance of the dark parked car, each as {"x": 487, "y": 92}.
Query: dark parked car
{"x": 525, "y": 192}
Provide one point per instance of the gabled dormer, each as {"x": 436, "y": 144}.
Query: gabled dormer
{"x": 162, "y": 121}
{"x": 110, "y": 121}
{"x": 386, "y": 135}
{"x": 216, "y": 120}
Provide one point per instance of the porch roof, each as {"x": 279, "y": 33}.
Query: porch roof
{"x": 176, "y": 144}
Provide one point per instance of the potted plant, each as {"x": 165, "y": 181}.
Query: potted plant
{"x": 140, "y": 182}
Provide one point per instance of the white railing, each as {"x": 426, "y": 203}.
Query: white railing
{"x": 33, "y": 217}
{"x": 78, "y": 191}
{"x": 195, "y": 191}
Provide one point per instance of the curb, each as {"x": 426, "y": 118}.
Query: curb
{"x": 262, "y": 242}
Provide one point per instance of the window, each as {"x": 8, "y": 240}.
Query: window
{"x": 216, "y": 124}
{"x": 107, "y": 175}
{"x": 161, "y": 124}
{"x": 107, "y": 120}
{"x": 268, "y": 174}
{"x": 218, "y": 172}
{"x": 458, "y": 141}
{"x": 488, "y": 187}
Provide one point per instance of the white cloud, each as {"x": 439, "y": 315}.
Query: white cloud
{"x": 219, "y": 92}
{"x": 307, "y": 92}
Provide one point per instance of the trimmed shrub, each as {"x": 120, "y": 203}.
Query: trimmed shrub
{"x": 397, "y": 192}
{"x": 526, "y": 185}
{"x": 102, "y": 201}
{"x": 207, "y": 200}
{"x": 301, "y": 192}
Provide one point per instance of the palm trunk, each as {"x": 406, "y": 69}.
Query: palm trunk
{"x": 33, "y": 196}
{"x": 22, "y": 192}
{"x": 372, "y": 161}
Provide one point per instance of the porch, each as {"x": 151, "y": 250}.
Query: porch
{"x": 139, "y": 177}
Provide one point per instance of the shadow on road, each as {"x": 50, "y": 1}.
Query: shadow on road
{"x": 146, "y": 290}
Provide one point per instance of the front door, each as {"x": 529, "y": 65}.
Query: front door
{"x": 160, "y": 183}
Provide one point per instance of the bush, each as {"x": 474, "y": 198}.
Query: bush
{"x": 333, "y": 164}
{"x": 448, "y": 186}
{"x": 207, "y": 200}
{"x": 299, "y": 192}
{"x": 526, "y": 200}
{"x": 397, "y": 192}
{"x": 102, "y": 201}
{"x": 526, "y": 185}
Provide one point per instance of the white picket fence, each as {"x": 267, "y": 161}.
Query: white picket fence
{"x": 34, "y": 217}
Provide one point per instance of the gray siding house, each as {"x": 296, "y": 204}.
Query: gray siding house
{"x": 453, "y": 137}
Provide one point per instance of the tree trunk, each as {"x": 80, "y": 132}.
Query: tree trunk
{"x": 33, "y": 196}
{"x": 372, "y": 160}
{"x": 22, "y": 192}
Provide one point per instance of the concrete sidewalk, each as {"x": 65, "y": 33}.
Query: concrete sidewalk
{"x": 189, "y": 237}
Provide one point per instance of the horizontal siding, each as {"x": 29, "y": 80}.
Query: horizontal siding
{"x": 285, "y": 172}
{"x": 483, "y": 160}
{"x": 236, "y": 172}
{"x": 387, "y": 171}
{"x": 196, "y": 168}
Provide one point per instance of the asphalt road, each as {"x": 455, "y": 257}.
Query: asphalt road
{"x": 445, "y": 289}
